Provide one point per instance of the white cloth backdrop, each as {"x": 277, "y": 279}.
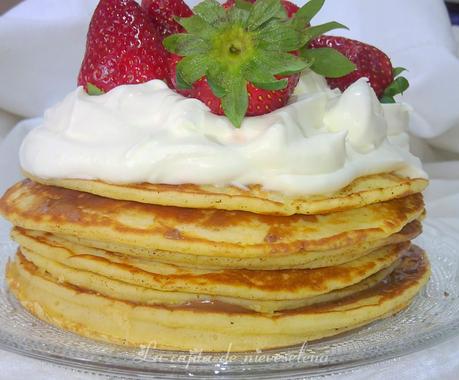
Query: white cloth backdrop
{"x": 41, "y": 47}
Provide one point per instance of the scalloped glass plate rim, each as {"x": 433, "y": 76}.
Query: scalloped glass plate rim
{"x": 48, "y": 343}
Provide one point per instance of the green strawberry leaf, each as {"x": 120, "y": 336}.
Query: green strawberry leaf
{"x": 196, "y": 25}
{"x": 317, "y": 30}
{"x": 94, "y": 90}
{"x": 211, "y": 11}
{"x": 261, "y": 78}
{"x": 181, "y": 83}
{"x": 263, "y": 11}
{"x": 398, "y": 86}
{"x": 236, "y": 100}
{"x": 272, "y": 86}
{"x": 193, "y": 68}
{"x": 218, "y": 91}
{"x": 279, "y": 37}
{"x": 328, "y": 62}
{"x": 215, "y": 82}
{"x": 305, "y": 14}
{"x": 186, "y": 44}
{"x": 387, "y": 99}
{"x": 238, "y": 15}
{"x": 397, "y": 71}
{"x": 245, "y": 5}
{"x": 278, "y": 63}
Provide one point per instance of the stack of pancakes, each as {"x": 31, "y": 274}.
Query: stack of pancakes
{"x": 214, "y": 268}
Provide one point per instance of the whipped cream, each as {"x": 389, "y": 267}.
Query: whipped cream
{"x": 320, "y": 142}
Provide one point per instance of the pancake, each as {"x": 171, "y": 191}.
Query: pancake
{"x": 209, "y": 326}
{"x": 57, "y": 260}
{"x": 361, "y": 192}
{"x": 129, "y": 292}
{"x": 301, "y": 260}
{"x": 200, "y": 232}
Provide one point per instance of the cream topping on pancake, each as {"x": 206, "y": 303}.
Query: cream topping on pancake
{"x": 317, "y": 144}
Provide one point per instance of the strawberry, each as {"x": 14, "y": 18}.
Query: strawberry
{"x": 260, "y": 101}
{"x": 200, "y": 89}
{"x": 370, "y": 63}
{"x": 242, "y": 58}
{"x": 123, "y": 47}
{"x": 162, "y": 12}
{"x": 289, "y": 7}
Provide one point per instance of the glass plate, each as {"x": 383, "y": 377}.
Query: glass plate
{"x": 432, "y": 318}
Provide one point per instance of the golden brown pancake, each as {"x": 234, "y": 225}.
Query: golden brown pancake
{"x": 209, "y": 326}
{"x": 134, "y": 273}
{"x": 200, "y": 232}
{"x": 363, "y": 191}
{"x": 301, "y": 260}
{"x": 133, "y": 293}
{"x": 55, "y": 257}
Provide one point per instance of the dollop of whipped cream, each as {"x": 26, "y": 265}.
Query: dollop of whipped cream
{"x": 320, "y": 142}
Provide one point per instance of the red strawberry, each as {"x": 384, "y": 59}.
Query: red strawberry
{"x": 371, "y": 63}
{"x": 260, "y": 101}
{"x": 242, "y": 63}
{"x": 289, "y": 7}
{"x": 264, "y": 101}
{"x": 162, "y": 12}
{"x": 123, "y": 47}
{"x": 200, "y": 90}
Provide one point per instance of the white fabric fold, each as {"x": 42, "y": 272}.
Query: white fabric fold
{"x": 41, "y": 48}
